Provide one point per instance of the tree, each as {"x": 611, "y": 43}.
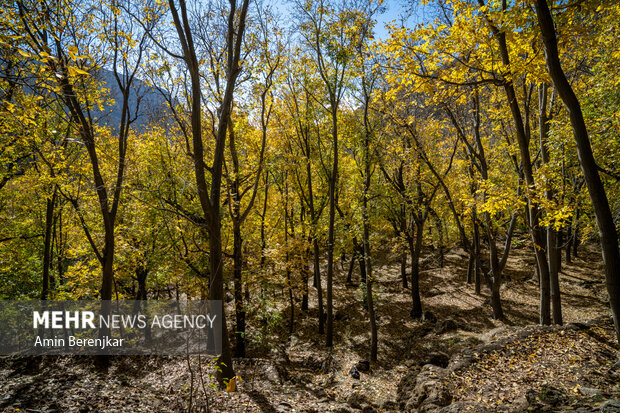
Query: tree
{"x": 598, "y": 197}
{"x": 210, "y": 200}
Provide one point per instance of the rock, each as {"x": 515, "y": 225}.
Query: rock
{"x": 429, "y": 392}
{"x": 271, "y": 374}
{"x": 577, "y": 326}
{"x": 363, "y": 366}
{"x": 283, "y": 407}
{"x": 405, "y": 387}
{"x": 354, "y": 373}
{"x": 320, "y": 393}
{"x": 446, "y": 326}
{"x": 610, "y": 406}
{"x": 429, "y": 316}
{"x": 470, "y": 407}
{"x": 341, "y": 315}
{"x": 493, "y": 334}
{"x": 368, "y": 409}
{"x": 520, "y": 403}
{"x": 550, "y": 395}
{"x": 359, "y": 341}
{"x": 430, "y": 372}
{"x": 326, "y": 365}
{"x": 357, "y": 400}
{"x": 437, "y": 359}
{"x": 429, "y": 408}
{"x": 589, "y": 391}
{"x": 390, "y": 405}
{"x": 531, "y": 396}
{"x": 432, "y": 293}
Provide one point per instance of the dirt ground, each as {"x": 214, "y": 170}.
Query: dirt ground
{"x": 297, "y": 373}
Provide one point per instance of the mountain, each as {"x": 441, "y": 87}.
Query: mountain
{"x": 152, "y": 105}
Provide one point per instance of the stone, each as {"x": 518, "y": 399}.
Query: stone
{"x": 357, "y": 400}
{"x": 531, "y": 396}
{"x": 429, "y": 392}
{"x": 589, "y": 391}
{"x": 429, "y": 408}
{"x": 493, "y": 334}
{"x": 272, "y": 374}
{"x": 283, "y": 407}
{"x": 354, "y": 373}
{"x": 445, "y": 326}
{"x": 429, "y": 316}
{"x": 520, "y": 403}
{"x": 437, "y": 359}
{"x": 368, "y": 409}
{"x": 463, "y": 406}
{"x": 550, "y": 395}
{"x": 390, "y": 405}
{"x": 363, "y": 366}
{"x": 611, "y": 406}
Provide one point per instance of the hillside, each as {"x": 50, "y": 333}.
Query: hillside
{"x": 464, "y": 359}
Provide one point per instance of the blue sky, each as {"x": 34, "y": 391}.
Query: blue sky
{"x": 397, "y": 10}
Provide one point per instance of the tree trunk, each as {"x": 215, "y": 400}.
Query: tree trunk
{"x": 477, "y": 267}
{"x": 403, "y": 269}
{"x": 351, "y": 267}
{"x": 141, "y": 275}
{"x": 238, "y": 290}
{"x": 47, "y": 248}
{"x": 576, "y": 239}
{"x": 315, "y": 243}
{"x": 416, "y": 310}
{"x": 496, "y": 302}
{"x": 569, "y": 243}
{"x": 305, "y": 277}
{"x": 319, "y": 288}
{"x": 552, "y": 236}
{"x": 289, "y": 283}
{"x": 216, "y": 292}
{"x": 333, "y": 179}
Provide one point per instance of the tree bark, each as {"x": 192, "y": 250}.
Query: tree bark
{"x": 552, "y": 235}
{"x": 415, "y": 248}
{"x": 47, "y": 247}
{"x": 333, "y": 179}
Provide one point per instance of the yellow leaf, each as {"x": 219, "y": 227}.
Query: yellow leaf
{"x": 232, "y": 385}
{"x": 74, "y": 71}
{"x": 23, "y": 53}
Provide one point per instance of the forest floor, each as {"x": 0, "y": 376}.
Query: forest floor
{"x": 462, "y": 361}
